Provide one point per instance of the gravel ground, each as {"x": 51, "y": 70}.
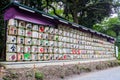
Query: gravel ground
{"x": 109, "y": 74}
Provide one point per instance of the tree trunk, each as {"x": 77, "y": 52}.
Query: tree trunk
{"x": 75, "y": 18}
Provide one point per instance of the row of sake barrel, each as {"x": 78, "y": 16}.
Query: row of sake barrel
{"x": 27, "y": 39}
{"x": 39, "y": 57}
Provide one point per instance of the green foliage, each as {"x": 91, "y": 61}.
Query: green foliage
{"x": 11, "y": 76}
{"x": 58, "y": 11}
{"x": 118, "y": 62}
{"x": 39, "y": 76}
{"x": 14, "y": 75}
{"x": 6, "y": 78}
{"x": 108, "y": 26}
{"x": 118, "y": 56}
{"x": 111, "y": 33}
{"x": 84, "y": 12}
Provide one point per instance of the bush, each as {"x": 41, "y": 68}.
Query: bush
{"x": 88, "y": 69}
{"x": 6, "y": 78}
{"x": 99, "y": 67}
{"x": 11, "y": 76}
{"x": 118, "y": 62}
{"x": 39, "y": 76}
{"x": 85, "y": 69}
{"x": 118, "y": 56}
{"x": 14, "y": 75}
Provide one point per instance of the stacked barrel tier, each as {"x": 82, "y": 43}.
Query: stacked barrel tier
{"x": 29, "y": 41}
